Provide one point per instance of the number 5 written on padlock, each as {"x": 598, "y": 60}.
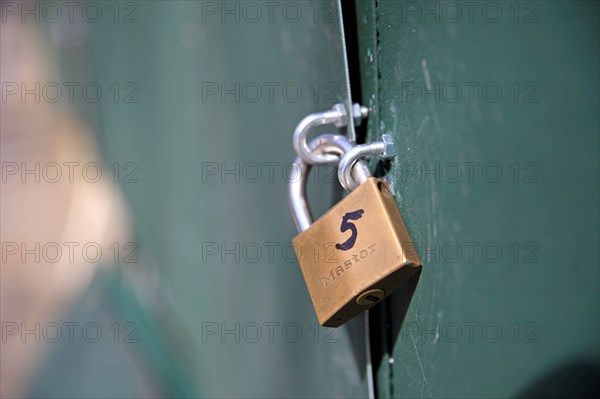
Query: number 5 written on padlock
{"x": 346, "y": 225}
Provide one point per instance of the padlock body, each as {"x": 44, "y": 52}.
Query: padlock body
{"x": 356, "y": 254}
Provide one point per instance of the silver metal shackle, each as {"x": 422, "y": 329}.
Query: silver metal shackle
{"x": 384, "y": 148}
{"x": 337, "y": 116}
{"x": 335, "y": 146}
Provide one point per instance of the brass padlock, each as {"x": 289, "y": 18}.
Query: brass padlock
{"x": 357, "y": 253}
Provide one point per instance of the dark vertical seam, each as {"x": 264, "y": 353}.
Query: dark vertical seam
{"x": 386, "y": 314}
{"x": 378, "y": 69}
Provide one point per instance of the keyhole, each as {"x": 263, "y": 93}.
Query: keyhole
{"x": 370, "y": 297}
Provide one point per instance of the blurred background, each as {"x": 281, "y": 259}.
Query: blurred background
{"x": 146, "y": 151}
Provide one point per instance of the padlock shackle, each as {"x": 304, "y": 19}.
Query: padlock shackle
{"x": 335, "y": 145}
{"x": 337, "y": 116}
{"x": 383, "y": 148}
{"x": 299, "y": 139}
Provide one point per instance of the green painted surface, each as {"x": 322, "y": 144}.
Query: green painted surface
{"x": 176, "y": 53}
{"x": 483, "y": 324}
{"x": 176, "y": 134}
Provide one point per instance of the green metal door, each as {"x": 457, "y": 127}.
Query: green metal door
{"x": 494, "y": 107}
